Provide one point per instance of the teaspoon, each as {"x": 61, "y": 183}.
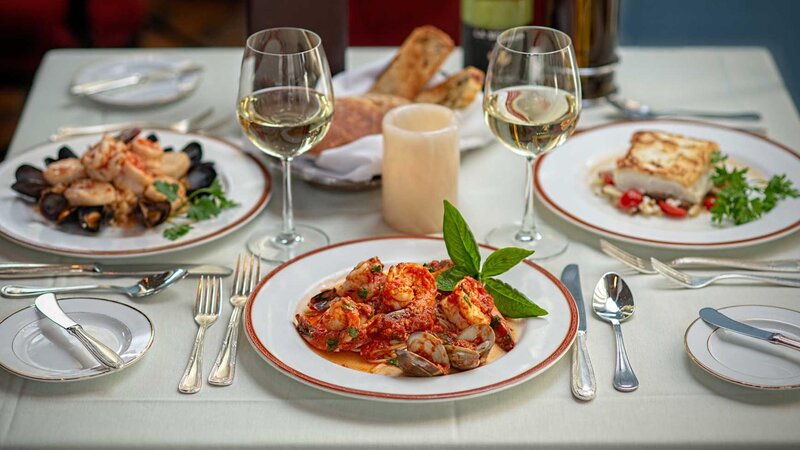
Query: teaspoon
{"x": 148, "y": 285}
{"x": 613, "y": 302}
{"x": 635, "y": 110}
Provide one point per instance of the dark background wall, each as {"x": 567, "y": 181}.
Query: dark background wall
{"x": 774, "y": 24}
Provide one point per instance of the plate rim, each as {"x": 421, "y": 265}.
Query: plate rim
{"x": 569, "y": 217}
{"x": 723, "y": 377}
{"x": 90, "y": 376}
{"x": 551, "y": 359}
{"x": 266, "y": 195}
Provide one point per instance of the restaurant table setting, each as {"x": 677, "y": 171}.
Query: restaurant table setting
{"x": 710, "y": 313}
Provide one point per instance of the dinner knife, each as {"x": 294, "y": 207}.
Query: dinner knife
{"x": 33, "y": 270}
{"x": 95, "y": 87}
{"x": 47, "y": 305}
{"x": 713, "y": 317}
{"x": 584, "y": 385}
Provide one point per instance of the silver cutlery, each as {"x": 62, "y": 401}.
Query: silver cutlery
{"x": 696, "y": 282}
{"x": 636, "y": 110}
{"x": 644, "y": 266}
{"x": 715, "y": 318}
{"x": 244, "y": 281}
{"x": 47, "y": 305}
{"x": 110, "y": 84}
{"x": 181, "y": 126}
{"x": 207, "y": 307}
{"x": 148, "y": 285}
{"x": 34, "y": 270}
{"x": 613, "y": 302}
{"x": 584, "y": 386}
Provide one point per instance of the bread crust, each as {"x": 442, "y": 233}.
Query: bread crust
{"x": 457, "y": 91}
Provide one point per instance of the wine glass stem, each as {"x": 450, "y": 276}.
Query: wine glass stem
{"x": 288, "y": 235}
{"x": 527, "y": 232}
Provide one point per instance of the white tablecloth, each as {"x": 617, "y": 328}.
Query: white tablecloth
{"x": 677, "y": 404}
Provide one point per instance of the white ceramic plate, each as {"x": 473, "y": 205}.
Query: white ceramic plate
{"x": 150, "y": 93}
{"x": 271, "y": 309}
{"x": 34, "y": 347}
{"x": 243, "y": 177}
{"x": 744, "y": 360}
{"x": 563, "y": 177}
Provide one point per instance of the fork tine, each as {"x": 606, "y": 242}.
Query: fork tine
{"x": 624, "y": 257}
{"x": 252, "y": 278}
{"x": 217, "y": 303}
{"x": 245, "y": 275}
{"x": 235, "y": 287}
{"x": 199, "y": 297}
{"x": 248, "y": 274}
{"x": 669, "y": 272}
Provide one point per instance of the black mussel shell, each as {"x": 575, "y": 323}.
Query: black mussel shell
{"x": 194, "y": 151}
{"x": 30, "y": 181}
{"x": 152, "y": 137}
{"x": 55, "y": 207}
{"x": 27, "y": 188}
{"x": 321, "y": 301}
{"x": 66, "y": 152}
{"x": 91, "y": 218}
{"x": 200, "y": 176}
{"x": 154, "y": 213}
{"x": 167, "y": 149}
{"x": 27, "y": 172}
{"x": 128, "y": 135}
{"x": 49, "y": 160}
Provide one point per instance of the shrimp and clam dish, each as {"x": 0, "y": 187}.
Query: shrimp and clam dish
{"x": 396, "y": 321}
{"x": 119, "y": 181}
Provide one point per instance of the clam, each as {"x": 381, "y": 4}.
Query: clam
{"x": 425, "y": 356}
{"x": 321, "y": 301}
{"x": 200, "y": 176}
{"x": 154, "y": 213}
{"x": 466, "y": 358}
{"x": 90, "y": 218}
{"x": 55, "y": 207}
{"x": 195, "y": 152}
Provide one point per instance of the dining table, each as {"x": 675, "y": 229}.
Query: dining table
{"x": 677, "y": 405}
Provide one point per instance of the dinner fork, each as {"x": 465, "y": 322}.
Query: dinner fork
{"x": 207, "y": 306}
{"x": 244, "y": 281}
{"x": 180, "y": 126}
{"x": 696, "y": 282}
{"x": 642, "y": 265}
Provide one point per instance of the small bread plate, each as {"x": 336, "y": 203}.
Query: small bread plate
{"x": 33, "y": 347}
{"x": 268, "y": 321}
{"x": 563, "y": 181}
{"x": 744, "y": 360}
{"x": 148, "y": 93}
{"x": 244, "y": 180}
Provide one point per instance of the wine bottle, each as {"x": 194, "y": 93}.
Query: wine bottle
{"x": 483, "y": 20}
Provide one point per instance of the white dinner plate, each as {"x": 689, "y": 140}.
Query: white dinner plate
{"x": 144, "y": 94}
{"x": 271, "y": 308}
{"x": 563, "y": 176}
{"x": 32, "y": 346}
{"x": 244, "y": 179}
{"x": 744, "y": 360}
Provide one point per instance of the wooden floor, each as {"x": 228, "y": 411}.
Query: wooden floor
{"x": 170, "y": 23}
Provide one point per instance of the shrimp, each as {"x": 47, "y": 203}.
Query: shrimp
{"x": 365, "y": 282}
{"x": 470, "y": 304}
{"x": 151, "y": 193}
{"x": 407, "y": 283}
{"x": 104, "y": 160}
{"x": 64, "y": 171}
{"x": 146, "y": 149}
{"x": 133, "y": 175}
{"x": 340, "y": 328}
{"x": 174, "y": 164}
{"x": 87, "y": 192}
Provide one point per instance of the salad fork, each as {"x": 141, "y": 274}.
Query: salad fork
{"x": 207, "y": 307}
{"x": 644, "y": 266}
{"x": 244, "y": 281}
{"x": 180, "y": 126}
{"x": 696, "y": 282}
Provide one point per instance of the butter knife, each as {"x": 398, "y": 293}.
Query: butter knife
{"x": 95, "y": 87}
{"x": 33, "y": 270}
{"x": 584, "y": 385}
{"x": 47, "y": 305}
{"x": 713, "y": 317}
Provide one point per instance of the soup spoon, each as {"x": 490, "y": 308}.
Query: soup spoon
{"x": 613, "y": 302}
{"x": 148, "y": 285}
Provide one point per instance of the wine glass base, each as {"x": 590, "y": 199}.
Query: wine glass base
{"x": 273, "y": 246}
{"x": 546, "y": 243}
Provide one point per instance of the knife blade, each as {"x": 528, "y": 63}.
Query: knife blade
{"x": 47, "y": 305}
{"x": 33, "y": 270}
{"x": 584, "y": 385}
{"x": 715, "y": 318}
{"x": 95, "y": 87}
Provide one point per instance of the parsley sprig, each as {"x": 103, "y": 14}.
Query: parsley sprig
{"x": 203, "y": 204}
{"x": 741, "y": 201}
{"x": 463, "y": 250}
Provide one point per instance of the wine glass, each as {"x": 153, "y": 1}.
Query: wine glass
{"x": 532, "y": 101}
{"x": 285, "y": 107}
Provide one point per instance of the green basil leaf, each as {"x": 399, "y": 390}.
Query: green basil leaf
{"x": 511, "y": 302}
{"x": 447, "y": 280}
{"x": 502, "y": 260}
{"x": 459, "y": 240}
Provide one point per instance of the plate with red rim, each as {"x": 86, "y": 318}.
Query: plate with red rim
{"x": 270, "y": 310}
{"x": 244, "y": 178}
{"x": 562, "y": 179}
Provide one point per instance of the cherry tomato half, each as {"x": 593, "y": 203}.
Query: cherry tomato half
{"x": 709, "y": 201}
{"x": 607, "y": 178}
{"x": 630, "y": 199}
{"x": 673, "y": 211}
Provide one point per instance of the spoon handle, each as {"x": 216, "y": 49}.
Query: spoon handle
{"x": 624, "y": 378}
{"x": 584, "y": 386}
{"x": 747, "y": 115}
{"x": 14, "y": 291}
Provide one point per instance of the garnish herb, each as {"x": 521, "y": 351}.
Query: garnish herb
{"x": 463, "y": 250}
{"x": 203, "y": 204}
{"x": 352, "y": 332}
{"x": 376, "y": 268}
{"x": 363, "y": 292}
{"x": 332, "y": 344}
{"x": 177, "y": 231}
{"x": 393, "y": 361}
